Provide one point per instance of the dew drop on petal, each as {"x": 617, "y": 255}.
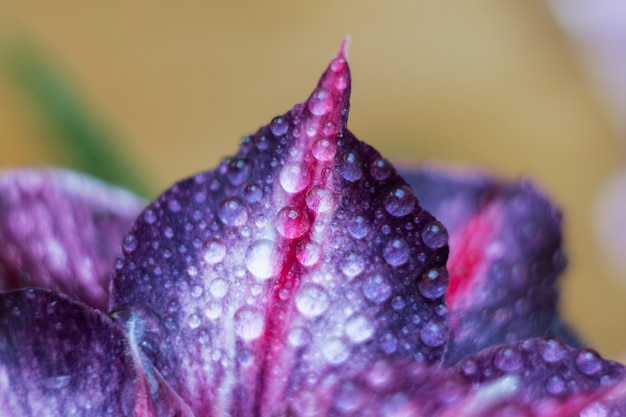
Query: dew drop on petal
{"x": 552, "y": 350}
{"x": 588, "y": 362}
{"x": 253, "y": 193}
{"x": 434, "y": 235}
{"x": 214, "y": 251}
{"x": 433, "y": 334}
{"x": 352, "y": 265}
{"x": 320, "y": 102}
{"x": 324, "y": 150}
{"x": 232, "y": 212}
{"x": 129, "y": 244}
{"x": 319, "y": 199}
{"x": 218, "y": 288}
{"x": 380, "y": 169}
{"x": 396, "y": 252}
{"x": 358, "y": 227}
{"x": 349, "y": 399}
{"x": 508, "y": 359}
{"x": 194, "y": 321}
{"x": 400, "y": 201}
{"x": 308, "y": 253}
{"x": 149, "y": 216}
{"x": 335, "y": 351}
{"x": 312, "y": 300}
{"x": 299, "y": 336}
{"x": 350, "y": 168}
{"x": 294, "y": 178}
{"x": 555, "y": 385}
{"x": 259, "y": 259}
{"x": 249, "y": 323}
{"x": 359, "y": 329}
{"x": 376, "y": 289}
{"x": 279, "y": 126}
{"x": 433, "y": 283}
{"x": 237, "y": 171}
{"x": 292, "y": 222}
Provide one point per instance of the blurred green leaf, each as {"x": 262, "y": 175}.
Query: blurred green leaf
{"x": 91, "y": 147}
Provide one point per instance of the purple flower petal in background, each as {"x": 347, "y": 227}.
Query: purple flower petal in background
{"x": 59, "y": 357}
{"x": 505, "y": 257}
{"x": 537, "y": 377}
{"x": 61, "y": 230}
{"x": 297, "y": 260}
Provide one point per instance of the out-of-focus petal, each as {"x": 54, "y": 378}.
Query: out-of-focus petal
{"x": 62, "y": 230}
{"x": 535, "y": 378}
{"x": 505, "y": 257}
{"x": 300, "y": 259}
{"x": 59, "y": 357}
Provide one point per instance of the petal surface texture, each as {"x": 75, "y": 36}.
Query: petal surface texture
{"x": 505, "y": 257}
{"x": 59, "y": 357}
{"x": 297, "y": 260}
{"x": 62, "y": 230}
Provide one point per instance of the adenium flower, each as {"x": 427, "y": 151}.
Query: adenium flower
{"x": 301, "y": 277}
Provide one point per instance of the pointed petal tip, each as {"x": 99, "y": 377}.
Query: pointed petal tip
{"x": 343, "y": 49}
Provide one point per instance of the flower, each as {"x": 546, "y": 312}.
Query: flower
{"x": 302, "y": 277}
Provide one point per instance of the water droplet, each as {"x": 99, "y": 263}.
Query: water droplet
{"x": 279, "y": 126}
{"x": 358, "y": 227}
{"x": 359, "y": 329}
{"x": 508, "y": 359}
{"x": 149, "y": 216}
{"x": 388, "y": 343}
{"x": 261, "y": 142}
{"x": 299, "y": 336}
{"x": 320, "y": 102}
{"x": 352, "y": 265}
{"x": 434, "y": 235}
{"x": 433, "y": 283}
{"x": 312, "y": 300}
{"x": 380, "y": 375}
{"x": 376, "y": 289}
{"x": 400, "y": 201}
{"x": 398, "y": 303}
{"x": 197, "y": 291}
{"x": 555, "y": 385}
{"x": 292, "y": 222}
{"x": 350, "y": 168}
{"x": 337, "y": 65}
{"x": 349, "y": 398}
{"x": 218, "y": 288}
{"x": 237, "y": 170}
{"x": 380, "y": 169}
{"x": 253, "y": 193}
{"x": 213, "y": 310}
{"x": 130, "y": 243}
{"x": 194, "y": 321}
{"x": 294, "y": 178}
{"x": 588, "y": 362}
{"x": 232, "y": 212}
{"x": 552, "y": 350}
{"x": 335, "y": 351}
{"x": 173, "y": 205}
{"x": 396, "y": 252}
{"x": 214, "y": 251}
{"x": 249, "y": 323}
{"x": 324, "y": 150}
{"x": 329, "y": 129}
{"x": 260, "y": 259}
{"x": 308, "y": 253}
{"x": 341, "y": 82}
{"x": 434, "y": 334}
{"x": 319, "y": 199}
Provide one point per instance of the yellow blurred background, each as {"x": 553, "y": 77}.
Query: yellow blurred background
{"x": 488, "y": 82}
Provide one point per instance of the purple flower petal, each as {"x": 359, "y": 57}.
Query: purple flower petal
{"x": 538, "y": 377}
{"x": 59, "y": 357}
{"x": 505, "y": 257}
{"x": 297, "y": 260}
{"x": 62, "y": 230}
